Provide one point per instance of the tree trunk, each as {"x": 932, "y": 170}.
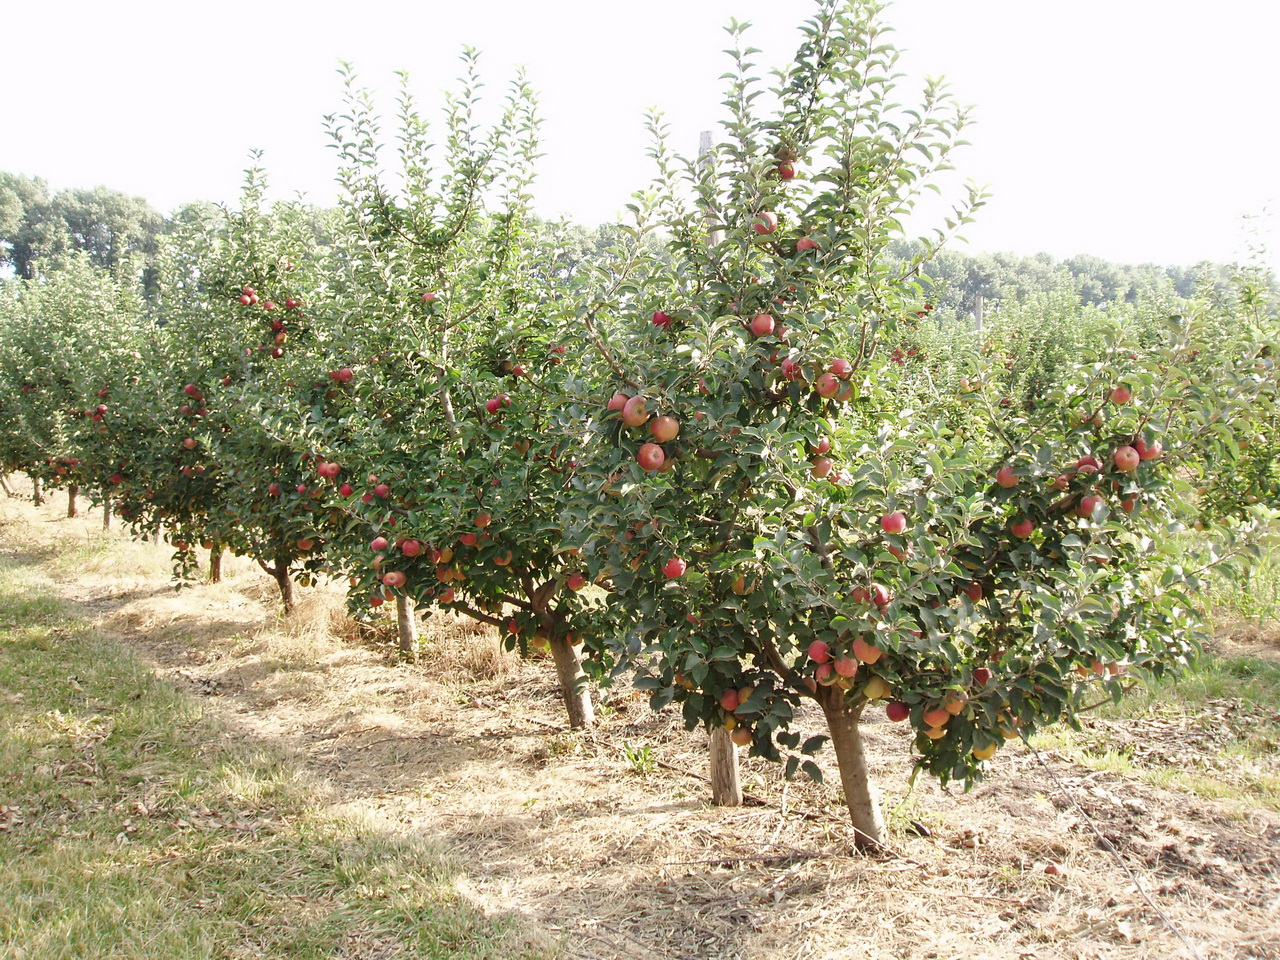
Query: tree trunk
{"x": 726, "y": 789}
{"x": 573, "y": 684}
{"x": 36, "y": 494}
{"x": 285, "y": 582}
{"x": 215, "y": 562}
{"x": 159, "y": 533}
{"x": 859, "y": 792}
{"x": 407, "y": 624}
{"x": 4, "y": 484}
{"x": 72, "y": 491}
{"x": 106, "y": 513}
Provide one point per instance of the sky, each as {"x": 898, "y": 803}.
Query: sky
{"x": 1134, "y": 130}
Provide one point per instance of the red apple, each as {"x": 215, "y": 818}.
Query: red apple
{"x": 974, "y": 592}
{"x": 786, "y": 170}
{"x": 937, "y": 717}
{"x": 661, "y": 320}
{"x": 1087, "y": 505}
{"x": 395, "y": 578}
{"x": 483, "y": 519}
{"x": 664, "y": 429}
{"x": 382, "y": 490}
{"x": 820, "y": 467}
{"x": 866, "y": 652}
{"x": 805, "y": 243}
{"x": 762, "y": 325}
{"x": 846, "y": 666}
{"x": 841, "y": 368}
{"x": 893, "y": 523}
{"x": 1126, "y": 459}
{"x": 982, "y": 676}
{"x": 897, "y": 711}
{"x": 765, "y": 223}
{"x": 1121, "y": 395}
{"x": 1023, "y": 528}
{"x": 819, "y": 652}
{"x": 468, "y": 539}
{"x": 345, "y": 490}
{"x": 1006, "y": 478}
{"x": 634, "y": 413}
{"x": 575, "y": 581}
{"x": 1088, "y": 465}
{"x": 650, "y": 457}
{"x": 378, "y": 544}
{"x": 828, "y": 385}
{"x": 411, "y": 548}
{"x": 674, "y": 568}
{"x": 729, "y": 700}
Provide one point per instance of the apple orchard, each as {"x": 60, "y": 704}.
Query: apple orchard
{"x": 718, "y": 460}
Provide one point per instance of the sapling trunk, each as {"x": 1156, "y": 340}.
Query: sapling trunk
{"x": 72, "y": 491}
{"x": 106, "y": 513}
{"x": 573, "y": 683}
{"x": 37, "y": 494}
{"x": 859, "y": 792}
{"x": 215, "y": 562}
{"x": 407, "y": 626}
{"x": 285, "y": 582}
{"x": 726, "y": 787}
{"x": 4, "y": 484}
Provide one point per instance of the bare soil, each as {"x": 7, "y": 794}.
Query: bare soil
{"x": 606, "y": 840}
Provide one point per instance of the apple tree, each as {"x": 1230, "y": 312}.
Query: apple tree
{"x": 774, "y": 525}
{"x": 236, "y": 346}
{"x": 60, "y": 334}
{"x": 448, "y": 372}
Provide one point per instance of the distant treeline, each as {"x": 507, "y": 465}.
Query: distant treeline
{"x": 110, "y": 226}
{"x": 957, "y": 282}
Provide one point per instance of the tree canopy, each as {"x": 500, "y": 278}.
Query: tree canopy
{"x": 105, "y": 224}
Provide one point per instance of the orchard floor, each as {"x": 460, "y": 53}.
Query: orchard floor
{"x": 606, "y": 842}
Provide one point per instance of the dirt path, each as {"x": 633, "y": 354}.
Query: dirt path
{"x": 587, "y": 837}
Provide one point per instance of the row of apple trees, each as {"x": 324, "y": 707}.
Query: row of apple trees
{"x": 720, "y": 461}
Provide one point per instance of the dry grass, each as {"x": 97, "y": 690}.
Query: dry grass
{"x": 586, "y": 835}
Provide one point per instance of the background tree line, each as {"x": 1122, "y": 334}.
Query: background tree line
{"x": 109, "y": 226}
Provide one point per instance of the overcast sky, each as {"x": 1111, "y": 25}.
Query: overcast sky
{"x": 1136, "y": 130}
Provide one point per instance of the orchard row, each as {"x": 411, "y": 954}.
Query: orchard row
{"x": 715, "y": 459}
